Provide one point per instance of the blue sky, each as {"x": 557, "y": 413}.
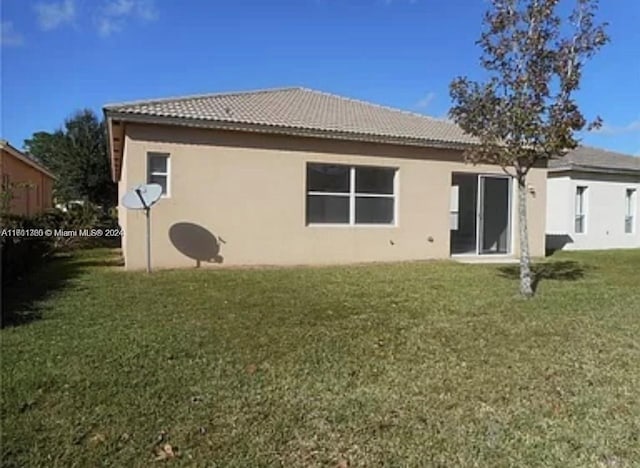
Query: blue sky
{"x": 62, "y": 55}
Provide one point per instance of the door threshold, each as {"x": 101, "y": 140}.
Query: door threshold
{"x": 491, "y": 258}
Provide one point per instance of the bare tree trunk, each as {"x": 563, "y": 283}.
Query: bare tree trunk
{"x": 526, "y": 288}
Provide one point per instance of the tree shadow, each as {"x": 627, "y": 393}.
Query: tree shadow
{"x": 566, "y": 270}
{"x": 196, "y": 242}
{"x": 22, "y": 298}
{"x": 106, "y": 262}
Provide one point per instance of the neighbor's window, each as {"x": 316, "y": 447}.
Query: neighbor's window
{"x": 581, "y": 215}
{"x": 350, "y": 195}
{"x": 158, "y": 170}
{"x": 629, "y": 208}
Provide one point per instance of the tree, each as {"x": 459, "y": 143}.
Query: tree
{"x": 77, "y": 155}
{"x": 525, "y": 113}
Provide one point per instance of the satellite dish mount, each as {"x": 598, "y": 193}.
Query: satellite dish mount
{"x": 143, "y": 197}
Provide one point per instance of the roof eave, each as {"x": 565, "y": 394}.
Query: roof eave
{"x": 5, "y": 145}
{"x": 594, "y": 169}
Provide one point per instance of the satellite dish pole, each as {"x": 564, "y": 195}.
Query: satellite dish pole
{"x": 147, "y": 215}
{"x": 143, "y": 197}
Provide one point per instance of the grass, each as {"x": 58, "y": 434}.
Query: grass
{"x": 415, "y": 364}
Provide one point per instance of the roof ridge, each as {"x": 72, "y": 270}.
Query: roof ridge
{"x": 380, "y": 106}
{"x": 271, "y": 90}
{"x": 200, "y": 96}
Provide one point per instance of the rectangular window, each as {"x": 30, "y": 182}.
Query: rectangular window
{"x": 581, "y": 215}
{"x": 351, "y": 195}
{"x": 629, "y": 210}
{"x": 6, "y": 182}
{"x": 158, "y": 170}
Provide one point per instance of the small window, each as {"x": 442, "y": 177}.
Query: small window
{"x": 581, "y": 215}
{"x": 629, "y": 210}
{"x": 158, "y": 170}
{"x": 352, "y": 195}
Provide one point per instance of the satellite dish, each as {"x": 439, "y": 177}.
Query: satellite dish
{"x": 142, "y": 196}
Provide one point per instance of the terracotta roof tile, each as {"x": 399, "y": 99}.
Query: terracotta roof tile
{"x": 300, "y": 109}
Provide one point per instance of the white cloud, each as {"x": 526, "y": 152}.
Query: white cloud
{"x": 115, "y": 14}
{"x": 52, "y": 15}
{"x": 147, "y": 10}
{"x": 107, "y": 26}
{"x": 119, "y": 7}
{"x": 631, "y": 127}
{"x": 426, "y": 101}
{"x": 9, "y": 36}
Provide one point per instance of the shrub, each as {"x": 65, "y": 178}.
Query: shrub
{"x": 77, "y": 217}
{"x": 21, "y": 253}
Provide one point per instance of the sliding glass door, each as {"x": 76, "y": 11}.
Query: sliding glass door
{"x": 494, "y": 212}
{"x": 480, "y": 214}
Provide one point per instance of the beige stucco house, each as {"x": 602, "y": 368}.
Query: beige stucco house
{"x": 26, "y": 185}
{"x": 295, "y": 176}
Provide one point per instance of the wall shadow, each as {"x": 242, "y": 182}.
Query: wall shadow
{"x": 22, "y": 298}
{"x": 196, "y": 242}
{"x": 567, "y": 270}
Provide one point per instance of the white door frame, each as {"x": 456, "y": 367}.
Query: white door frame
{"x": 479, "y": 199}
{"x": 479, "y": 217}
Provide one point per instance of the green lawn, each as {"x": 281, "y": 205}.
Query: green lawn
{"x": 415, "y": 364}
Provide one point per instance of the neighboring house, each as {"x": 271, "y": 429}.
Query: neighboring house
{"x": 296, "y": 176}
{"x": 592, "y": 200}
{"x": 25, "y": 181}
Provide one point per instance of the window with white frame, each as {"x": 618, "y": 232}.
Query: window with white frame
{"x": 351, "y": 195}
{"x": 581, "y": 214}
{"x": 158, "y": 170}
{"x": 629, "y": 209}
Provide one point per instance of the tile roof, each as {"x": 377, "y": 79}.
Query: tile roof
{"x": 299, "y": 109}
{"x": 585, "y": 157}
{"x": 295, "y": 110}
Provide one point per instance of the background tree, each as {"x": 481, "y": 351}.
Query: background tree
{"x": 525, "y": 112}
{"x": 77, "y": 155}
